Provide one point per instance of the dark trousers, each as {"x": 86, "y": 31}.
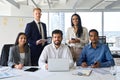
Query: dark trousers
{"x": 35, "y": 54}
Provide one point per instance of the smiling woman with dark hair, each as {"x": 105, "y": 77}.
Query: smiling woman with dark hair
{"x": 77, "y": 36}
{"x": 19, "y": 54}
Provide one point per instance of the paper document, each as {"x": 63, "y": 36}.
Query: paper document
{"x": 84, "y": 72}
{"x": 6, "y": 74}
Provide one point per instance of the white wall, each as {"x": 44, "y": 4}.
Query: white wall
{"x": 23, "y": 11}
{"x": 10, "y": 26}
{"x": 13, "y": 21}
{"x": 5, "y": 10}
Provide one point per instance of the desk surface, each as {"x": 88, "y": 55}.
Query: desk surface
{"x": 45, "y": 75}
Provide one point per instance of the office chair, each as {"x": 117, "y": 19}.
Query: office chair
{"x": 49, "y": 40}
{"x": 5, "y": 54}
{"x": 102, "y": 39}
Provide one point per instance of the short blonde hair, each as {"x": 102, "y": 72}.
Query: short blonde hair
{"x": 37, "y": 9}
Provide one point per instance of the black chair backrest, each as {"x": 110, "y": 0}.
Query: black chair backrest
{"x": 102, "y": 39}
{"x": 49, "y": 40}
{"x": 116, "y": 55}
{"x": 5, "y": 54}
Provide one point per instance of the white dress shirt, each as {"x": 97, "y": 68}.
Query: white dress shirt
{"x": 50, "y": 51}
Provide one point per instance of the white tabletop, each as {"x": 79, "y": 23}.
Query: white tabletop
{"x": 97, "y": 74}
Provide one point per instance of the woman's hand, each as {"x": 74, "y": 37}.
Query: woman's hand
{"x": 19, "y": 66}
{"x": 74, "y": 41}
{"x": 46, "y": 66}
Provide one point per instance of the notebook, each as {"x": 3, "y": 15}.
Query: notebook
{"x": 58, "y": 65}
{"x": 84, "y": 72}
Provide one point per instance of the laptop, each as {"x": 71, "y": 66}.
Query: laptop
{"x": 58, "y": 65}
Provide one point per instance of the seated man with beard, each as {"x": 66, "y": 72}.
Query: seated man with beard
{"x": 55, "y": 50}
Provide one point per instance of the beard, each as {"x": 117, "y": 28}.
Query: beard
{"x": 57, "y": 43}
{"x": 94, "y": 42}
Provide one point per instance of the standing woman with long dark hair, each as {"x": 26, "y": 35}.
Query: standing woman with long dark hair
{"x": 77, "y": 36}
{"x": 19, "y": 54}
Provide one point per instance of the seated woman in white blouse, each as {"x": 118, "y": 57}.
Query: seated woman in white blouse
{"x": 19, "y": 54}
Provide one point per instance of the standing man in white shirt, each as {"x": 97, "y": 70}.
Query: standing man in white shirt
{"x": 55, "y": 50}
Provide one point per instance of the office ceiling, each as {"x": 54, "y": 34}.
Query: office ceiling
{"x": 68, "y": 5}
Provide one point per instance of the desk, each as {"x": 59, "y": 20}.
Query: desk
{"x": 45, "y": 75}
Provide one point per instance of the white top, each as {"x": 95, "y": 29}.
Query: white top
{"x": 84, "y": 39}
{"x": 22, "y": 57}
{"x": 50, "y": 51}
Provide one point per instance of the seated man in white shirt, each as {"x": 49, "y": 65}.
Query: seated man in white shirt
{"x": 55, "y": 50}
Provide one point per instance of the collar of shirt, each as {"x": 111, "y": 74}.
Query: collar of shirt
{"x": 90, "y": 45}
{"x": 61, "y": 45}
{"x": 36, "y": 21}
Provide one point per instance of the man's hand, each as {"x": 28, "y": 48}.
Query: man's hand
{"x": 95, "y": 65}
{"x": 40, "y": 41}
{"x": 84, "y": 64}
{"x": 37, "y": 42}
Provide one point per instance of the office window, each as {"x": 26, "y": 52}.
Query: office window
{"x": 89, "y": 20}
{"x": 112, "y": 28}
{"x": 92, "y": 20}
{"x": 44, "y": 19}
{"x": 62, "y": 20}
